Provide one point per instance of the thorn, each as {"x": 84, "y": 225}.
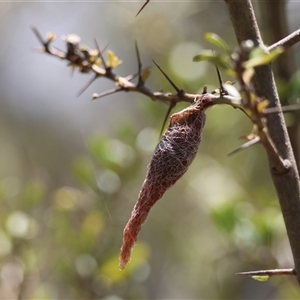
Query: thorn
{"x": 171, "y": 106}
{"x": 144, "y": 5}
{"x": 246, "y": 145}
{"x": 105, "y": 48}
{"x": 39, "y": 36}
{"x": 222, "y": 90}
{"x": 72, "y": 70}
{"x": 100, "y": 54}
{"x": 179, "y": 92}
{"x": 139, "y": 64}
{"x": 87, "y": 85}
{"x": 110, "y": 92}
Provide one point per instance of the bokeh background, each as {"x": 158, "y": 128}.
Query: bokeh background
{"x": 71, "y": 168}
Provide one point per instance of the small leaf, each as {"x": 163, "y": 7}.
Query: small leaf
{"x": 145, "y": 75}
{"x": 247, "y": 75}
{"x": 262, "y": 105}
{"x": 263, "y": 58}
{"x": 216, "y": 40}
{"x": 51, "y": 37}
{"x": 260, "y": 277}
{"x": 97, "y": 61}
{"x": 256, "y": 52}
{"x": 248, "y": 137}
{"x": 113, "y": 60}
{"x": 221, "y": 61}
{"x": 94, "y": 57}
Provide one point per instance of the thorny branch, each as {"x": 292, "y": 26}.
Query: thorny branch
{"x": 84, "y": 61}
{"x": 85, "y": 65}
{"x": 255, "y": 107}
{"x": 87, "y": 62}
{"x": 91, "y": 61}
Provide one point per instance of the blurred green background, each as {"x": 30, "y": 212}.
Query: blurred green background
{"x": 71, "y": 168}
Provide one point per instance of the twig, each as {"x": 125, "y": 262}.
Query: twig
{"x": 124, "y": 83}
{"x": 285, "y": 109}
{"x": 106, "y": 93}
{"x": 287, "y": 42}
{"x": 269, "y": 273}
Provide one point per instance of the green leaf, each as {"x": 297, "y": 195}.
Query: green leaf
{"x": 221, "y": 61}
{"x": 256, "y": 52}
{"x": 248, "y": 75}
{"x": 145, "y": 75}
{"x": 261, "y": 58}
{"x": 262, "y": 105}
{"x": 260, "y": 277}
{"x": 217, "y": 41}
{"x": 113, "y": 60}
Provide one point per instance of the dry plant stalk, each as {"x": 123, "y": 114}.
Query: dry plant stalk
{"x": 171, "y": 159}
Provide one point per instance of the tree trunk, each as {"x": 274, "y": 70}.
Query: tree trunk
{"x": 286, "y": 183}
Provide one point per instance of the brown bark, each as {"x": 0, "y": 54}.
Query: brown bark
{"x": 286, "y": 183}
